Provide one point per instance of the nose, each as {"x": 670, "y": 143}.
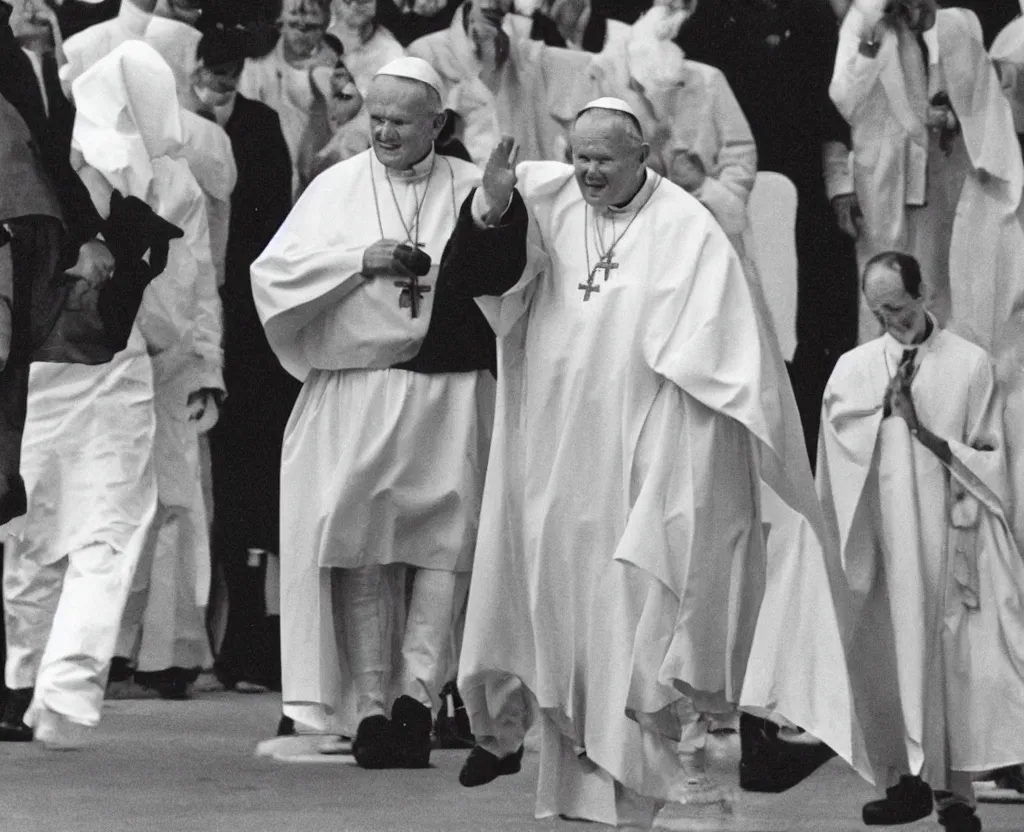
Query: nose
{"x": 387, "y": 132}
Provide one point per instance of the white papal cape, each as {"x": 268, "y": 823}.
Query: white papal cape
{"x": 937, "y": 647}
{"x": 641, "y": 439}
{"x": 379, "y": 465}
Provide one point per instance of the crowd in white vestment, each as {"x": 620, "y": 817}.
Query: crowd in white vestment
{"x": 170, "y": 491}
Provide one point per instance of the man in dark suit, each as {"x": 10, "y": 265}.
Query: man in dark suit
{"x": 245, "y": 446}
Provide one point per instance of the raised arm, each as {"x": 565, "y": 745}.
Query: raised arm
{"x": 486, "y": 253}
{"x": 857, "y": 66}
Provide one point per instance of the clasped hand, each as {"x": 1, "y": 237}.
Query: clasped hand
{"x": 390, "y": 257}
{"x": 899, "y": 401}
{"x": 95, "y": 264}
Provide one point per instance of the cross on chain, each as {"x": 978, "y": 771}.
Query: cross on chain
{"x": 606, "y": 265}
{"x": 412, "y": 292}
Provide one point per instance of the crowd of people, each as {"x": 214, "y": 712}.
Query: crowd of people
{"x": 412, "y": 358}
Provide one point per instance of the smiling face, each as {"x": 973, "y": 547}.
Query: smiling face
{"x": 609, "y": 156}
{"x": 405, "y": 119}
{"x": 899, "y": 312}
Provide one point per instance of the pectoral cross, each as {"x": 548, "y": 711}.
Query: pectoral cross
{"x": 412, "y": 292}
{"x": 606, "y": 265}
{"x": 589, "y": 288}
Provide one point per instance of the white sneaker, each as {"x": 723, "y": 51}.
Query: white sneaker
{"x": 58, "y": 733}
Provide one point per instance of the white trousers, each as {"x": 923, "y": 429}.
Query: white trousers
{"x": 164, "y": 625}
{"x": 360, "y": 598}
{"x": 62, "y": 623}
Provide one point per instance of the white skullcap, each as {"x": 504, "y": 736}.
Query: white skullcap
{"x": 616, "y": 105}
{"x": 609, "y": 103}
{"x": 415, "y": 69}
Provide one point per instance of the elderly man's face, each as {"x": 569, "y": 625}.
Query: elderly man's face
{"x": 355, "y": 13}
{"x": 608, "y": 158}
{"x": 900, "y": 313}
{"x": 405, "y": 119}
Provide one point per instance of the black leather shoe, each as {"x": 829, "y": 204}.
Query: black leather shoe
{"x": 1011, "y": 777}
{"x": 960, "y": 818}
{"x": 768, "y": 764}
{"x": 12, "y": 724}
{"x": 482, "y": 766}
{"x": 373, "y": 745}
{"x": 410, "y": 729}
{"x": 907, "y": 801}
{"x": 286, "y": 727}
{"x": 452, "y": 723}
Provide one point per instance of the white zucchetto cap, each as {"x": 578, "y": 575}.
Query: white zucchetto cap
{"x": 616, "y": 105}
{"x": 416, "y": 69}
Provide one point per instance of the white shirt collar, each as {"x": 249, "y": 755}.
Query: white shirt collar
{"x": 894, "y": 349}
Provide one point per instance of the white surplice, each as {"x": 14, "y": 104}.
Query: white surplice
{"x": 642, "y": 438}
{"x": 380, "y": 466}
{"x": 68, "y": 564}
{"x": 936, "y": 642}
{"x": 180, "y": 318}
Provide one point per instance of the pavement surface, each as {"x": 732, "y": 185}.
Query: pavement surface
{"x": 156, "y": 766}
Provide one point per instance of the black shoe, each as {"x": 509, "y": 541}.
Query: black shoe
{"x": 960, "y": 818}
{"x": 769, "y": 764}
{"x": 373, "y": 745}
{"x": 482, "y": 766}
{"x": 120, "y": 670}
{"x": 452, "y": 724}
{"x": 1011, "y": 777}
{"x": 907, "y": 801}
{"x": 286, "y": 727}
{"x": 172, "y": 683}
{"x": 410, "y": 729}
{"x": 12, "y": 724}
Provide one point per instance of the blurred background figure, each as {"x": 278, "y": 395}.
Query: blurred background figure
{"x": 246, "y": 442}
{"x": 366, "y": 45}
{"x": 573, "y": 24}
{"x": 281, "y": 79}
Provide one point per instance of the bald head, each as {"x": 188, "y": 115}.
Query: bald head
{"x": 609, "y": 155}
{"x": 406, "y": 116}
{"x": 892, "y": 290}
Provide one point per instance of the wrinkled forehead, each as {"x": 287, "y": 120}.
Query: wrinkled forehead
{"x": 401, "y": 97}
{"x": 612, "y": 133}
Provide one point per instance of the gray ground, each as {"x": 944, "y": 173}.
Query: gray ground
{"x": 190, "y": 767}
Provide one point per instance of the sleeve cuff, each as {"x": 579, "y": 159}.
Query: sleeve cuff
{"x": 482, "y": 208}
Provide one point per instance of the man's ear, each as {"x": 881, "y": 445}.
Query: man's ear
{"x": 439, "y": 121}
{"x": 645, "y": 153}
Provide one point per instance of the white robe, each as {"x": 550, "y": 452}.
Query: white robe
{"x": 180, "y": 314}
{"x": 88, "y": 469}
{"x": 641, "y": 439}
{"x": 379, "y": 466}
{"x": 936, "y": 645}
{"x": 959, "y": 215}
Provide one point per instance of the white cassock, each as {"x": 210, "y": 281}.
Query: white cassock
{"x": 380, "y": 466}
{"x": 180, "y": 321}
{"x": 68, "y": 564}
{"x": 642, "y": 438}
{"x": 288, "y": 91}
{"x": 959, "y": 213}
{"x": 936, "y": 646}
